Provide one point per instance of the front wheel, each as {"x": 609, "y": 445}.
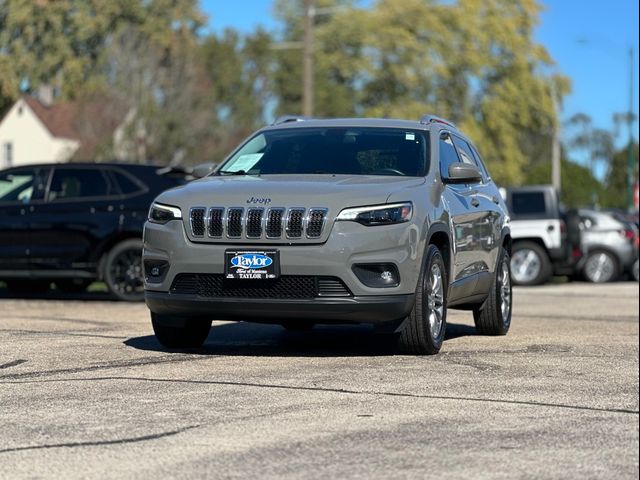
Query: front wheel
{"x": 494, "y": 317}
{"x": 600, "y": 267}
{"x": 424, "y": 329}
{"x": 123, "y": 270}
{"x": 178, "y": 332}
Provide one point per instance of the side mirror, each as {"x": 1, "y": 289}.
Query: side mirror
{"x": 202, "y": 170}
{"x": 463, "y": 173}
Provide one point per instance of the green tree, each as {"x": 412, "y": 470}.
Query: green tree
{"x": 473, "y": 61}
{"x": 579, "y": 187}
{"x": 616, "y": 180}
{"x": 238, "y": 72}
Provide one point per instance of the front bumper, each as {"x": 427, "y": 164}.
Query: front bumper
{"x": 367, "y": 309}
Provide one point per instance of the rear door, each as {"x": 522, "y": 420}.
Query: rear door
{"x": 81, "y": 208}
{"x": 20, "y": 190}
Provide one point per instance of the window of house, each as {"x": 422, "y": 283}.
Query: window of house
{"x": 7, "y": 154}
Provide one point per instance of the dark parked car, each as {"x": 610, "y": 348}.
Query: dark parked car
{"x": 75, "y": 223}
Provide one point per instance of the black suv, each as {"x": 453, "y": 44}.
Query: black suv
{"x": 75, "y": 223}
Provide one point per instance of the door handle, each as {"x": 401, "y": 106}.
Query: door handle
{"x": 475, "y": 202}
{"x": 496, "y": 200}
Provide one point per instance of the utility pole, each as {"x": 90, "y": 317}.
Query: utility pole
{"x": 307, "y": 92}
{"x": 630, "y": 163}
{"x": 556, "y": 169}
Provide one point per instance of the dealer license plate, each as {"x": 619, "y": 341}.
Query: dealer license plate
{"x": 252, "y": 264}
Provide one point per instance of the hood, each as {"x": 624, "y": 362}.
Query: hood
{"x": 334, "y": 192}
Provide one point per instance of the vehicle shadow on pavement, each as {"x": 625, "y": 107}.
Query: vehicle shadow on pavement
{"x": 253, "y": 339}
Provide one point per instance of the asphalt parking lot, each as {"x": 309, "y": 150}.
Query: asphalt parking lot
{"x": 86, "y": 391}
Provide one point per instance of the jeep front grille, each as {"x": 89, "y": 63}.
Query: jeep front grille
{"x": 257, "y": 223}
{"x": 274, "y": 222}
{"x": 295, "y": 221}
{"x": 216, "y": 216}
{"x": 234, "y": 222}
{"x": 285, "y": 287}
{"x": 197, "y": 221}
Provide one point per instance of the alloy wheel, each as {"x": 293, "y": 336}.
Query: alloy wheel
{"x": 505, "y": 291}
{"x": 435, "y": 300}
{"x": 599, "y": 267}
{"x": 126, "y": 274}
{"x": 526, "y": 265}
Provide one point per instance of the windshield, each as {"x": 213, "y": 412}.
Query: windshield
{"x": 337, "y": 151}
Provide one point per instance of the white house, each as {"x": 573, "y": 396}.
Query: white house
{"x": 34, "y": 132}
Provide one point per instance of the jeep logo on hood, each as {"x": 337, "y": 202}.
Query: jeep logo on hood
{"x": 259, "y": 201}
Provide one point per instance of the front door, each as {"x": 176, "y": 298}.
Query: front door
{"x": 20, "y": 189}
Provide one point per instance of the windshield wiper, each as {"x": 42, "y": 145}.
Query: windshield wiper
{"x": 230, "y": 172}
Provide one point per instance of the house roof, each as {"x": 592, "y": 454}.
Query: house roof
{"x": 57, "y": 118}
{"x": 90, "y": 122}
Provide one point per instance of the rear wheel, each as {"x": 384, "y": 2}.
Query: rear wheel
{"x": 424, "y": 329}
{"x": 530, "y": 264}
{"x": 123, "y": 270}
{"x": 179, "y": 332}
{"x": 600, "y": 267}
{"x": 494, "y": 317}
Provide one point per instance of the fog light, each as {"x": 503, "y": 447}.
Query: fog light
{"x": 387, "y": 276}
{"x": 155, "y": 270}
{"x": 377, "y": 275}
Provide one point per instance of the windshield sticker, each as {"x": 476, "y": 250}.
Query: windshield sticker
{"x": 410, "y": 136}
{"x": 246, "y": 162}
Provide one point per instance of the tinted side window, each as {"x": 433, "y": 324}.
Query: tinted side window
{"x": 464, "y": 151}
{"x": 448, "y": 154}
{"x": 126, "y": 184}
{"x": 528, "y": 203}
{"x": 480, "y": 162}
{"x": 17, "y": 185}
{"x": 70, "y": 183}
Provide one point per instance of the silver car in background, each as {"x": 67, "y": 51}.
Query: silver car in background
{"x": 610, "y": 246}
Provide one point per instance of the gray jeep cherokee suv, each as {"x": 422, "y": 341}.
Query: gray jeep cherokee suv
{"x": 385, "y": 222}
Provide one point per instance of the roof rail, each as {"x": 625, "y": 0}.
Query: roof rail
{"x": 289, "y": 118}
{"x": 426, "y": 119}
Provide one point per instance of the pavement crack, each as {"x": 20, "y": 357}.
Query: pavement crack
{"x": 13, "y": 363}
{"x": 140, "y": 362}
{"x": 96, "y": 443}
{"x": 530, "y": 403}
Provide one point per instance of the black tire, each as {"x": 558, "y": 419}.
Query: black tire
{"x": 634, "y": 271}
{"x": 123, "y": 271}
{"x": 178, "y": 332}
{"x": 494, "y": 316}
{"x": 535, "y": 255}
{"x": 417, "y": 337}
{"x": 600, "y": 266}
{"x": 26, "y": 286}
{"x": 72, "y": 285}
{"x": 298, "y": 326}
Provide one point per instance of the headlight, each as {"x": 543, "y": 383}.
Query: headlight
{"x": 378, "y": 214}
{"x": 159, "y": 213}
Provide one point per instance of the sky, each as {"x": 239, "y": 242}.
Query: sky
{"x": 588, "y": 39}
